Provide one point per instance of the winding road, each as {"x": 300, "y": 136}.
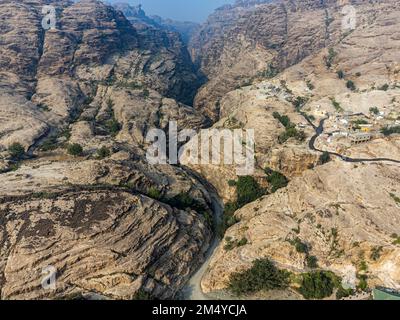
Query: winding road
{"x": 320, "y": 129}
{"x": 192, "y": 290}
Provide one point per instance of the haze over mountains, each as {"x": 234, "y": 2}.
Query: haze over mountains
{"x": 81, "y": 196}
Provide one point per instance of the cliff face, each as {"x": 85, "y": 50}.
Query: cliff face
{"x": 335, "y": 209}
{"x": 103, "y": 217}
{"x": 256, "y": 39}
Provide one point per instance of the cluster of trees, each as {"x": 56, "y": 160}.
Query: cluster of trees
{"x": 291, "y": 131}
{"x": 318, "y": 284}
{"x": 276, "y": 179}
{"x": 16, "y": 151}
{"x": 247, "y": 190}
{"x": 392, "y": 130}
{"x": 263, "y": 275}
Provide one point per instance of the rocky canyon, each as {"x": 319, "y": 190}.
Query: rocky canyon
{"x": 318, "y": 82}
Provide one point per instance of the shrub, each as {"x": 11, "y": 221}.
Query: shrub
{"x": 362, "y": 282}
{"x": 142, "y": 295}
{"x": 331, "y": 56}
{"x": 325, "y": 157}
{"x": 350, "y": 85}
{"x": 276, "y": 179}
{"x": 374, "y": 110}
{"x": 376, "y": 253}
{"x": 344, "y": 293}
{"x": 146, "y": 93}
{"x": 300, "y": 246}
{"x": 49, "y": 144}
{"x": 232, "y": 183}
{"x": 103, "y": 152}
{"x": 183, "y": 201}
{"x": 263, "y": 275}
{"x": 248, "y": 190}
{"x": 340, "y": 74}
{"x": 75, "y": 149}
{"x": 113, "y": 126}
{"x": 395, "y": 198}
{"x": 154, "y": 193}
{"x": 392, "y": 130}
{"x": 336, "y": 105}
{"x": 228, "y": 219}
{"x": 310, "y": 85}
{"x": 242, "y": 242}
{"x": 385, "y": 87}
{"x": 317, "y": 285}
{"x": 312, "y": 262}
{"x": 17, "y": 151}
{"x": 299, "y": 102}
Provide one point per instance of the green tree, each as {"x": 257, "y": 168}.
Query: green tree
{"x": 317, "y": 285}
{"x": 263, "y": 275}
{"x": 75, "y": 149}
{"x": 276, "y": 179}
{"x": 103, "y": 152}
{"x": 325, "y": 157}
{"x": 17, "y": 151}
{"x": 248, "y": 190}
{"x": 350, "y": 85}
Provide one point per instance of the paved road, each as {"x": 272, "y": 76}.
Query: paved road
{"x": 320, "y": 129}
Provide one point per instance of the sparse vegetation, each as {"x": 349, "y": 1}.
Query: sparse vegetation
{"x": 154, "y": 193}
{"x": 284, "y": 120}
{"x": 142, "y": 295}
{"x": 317, "y": 284}
{"x": 299, "y": 103}
{"x": 330, "y": 58}
{"x": 184, "y": 201}
{"x": 374, "y": 110}
{"x": 310, "y": 86}
{"x": 43, "y": 107}
{"x": 385, "y": 87}
{"x": 312, "y": 262}
{"x": 351, "y": 85}
{"x": 376, "y": 253}
{"x": 343, "y": 293}
{"x": 270, "y": 72}
{"x": 300, "y": 246}
{"x": 336, "y": 105}
{"x": 110, "y": 123}
{"x": 247, "y": 190}
{"x": 291, "y": 131}
{"x": 146, "y": 93}
{"x": 16, "y": 151}
{"x": 103, "y": 152}
{"x": 230, "y": 244}
{"x": 263, "y": 275}
{"x": 395, "y": 198}
{"x": 387, "y": 131}
{"x": 276, "y": 179}
{"x": 324, "y": 158}
{"x": 362, "y": 282}
{"x": 75, "y": 149}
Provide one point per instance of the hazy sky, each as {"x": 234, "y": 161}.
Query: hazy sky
{"x": 191, "y": 10}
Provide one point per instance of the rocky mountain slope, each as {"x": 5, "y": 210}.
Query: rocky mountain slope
{"x": 80, "y": 196}
{"x": 344, "y": 211}
{"x": 77, "y": 193}
{"x": 255, "y": 39}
